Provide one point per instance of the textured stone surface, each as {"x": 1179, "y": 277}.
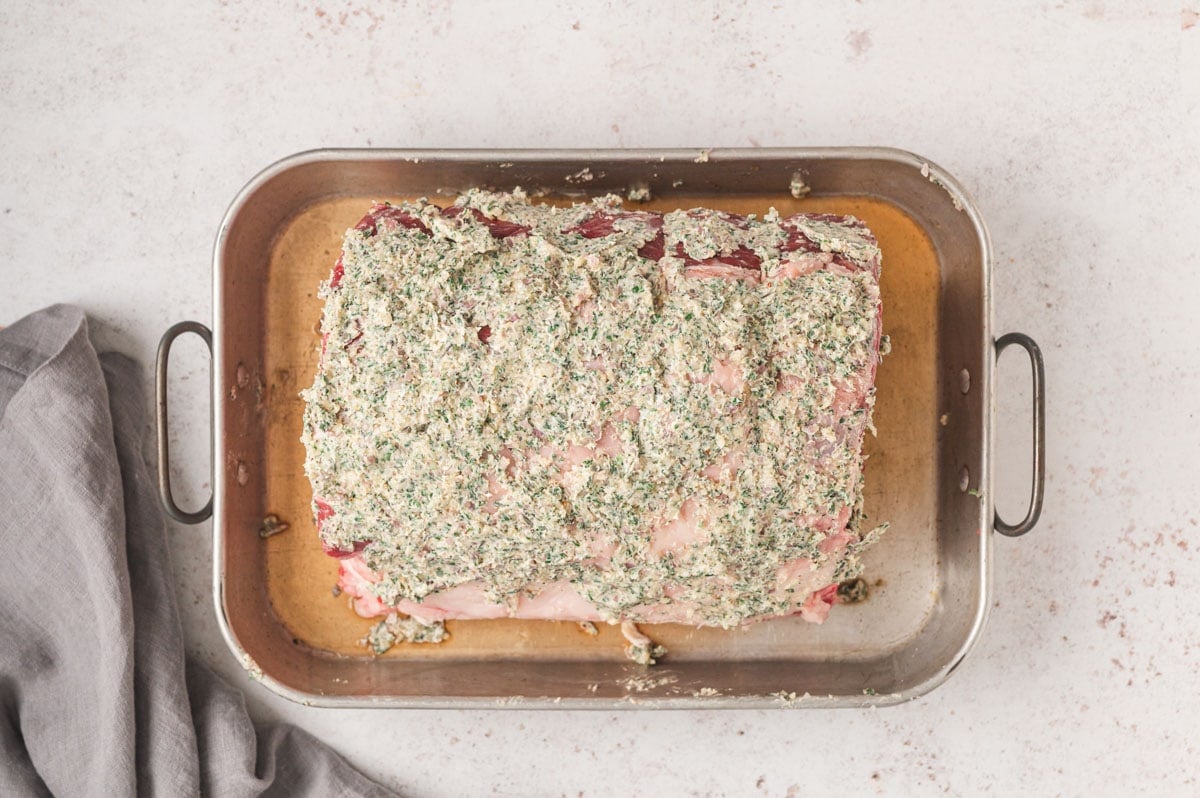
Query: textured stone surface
{"x": 126, "y": 131}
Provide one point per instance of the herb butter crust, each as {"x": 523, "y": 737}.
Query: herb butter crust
{"x": 591, "y": 413}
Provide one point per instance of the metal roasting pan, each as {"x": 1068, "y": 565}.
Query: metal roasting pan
{"x": 929, "y": 472}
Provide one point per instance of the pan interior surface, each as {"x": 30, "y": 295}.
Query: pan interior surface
{"x": 277, "y": 594}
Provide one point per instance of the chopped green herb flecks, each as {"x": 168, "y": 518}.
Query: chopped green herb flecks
{"x": 519, "y": 411}
{"x": 394, "y": 629}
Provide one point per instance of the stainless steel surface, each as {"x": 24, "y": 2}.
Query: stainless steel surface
{"x": 162, "y": 362}
{"x": 1037, "y": 491}
{"x": 869, "y": 673}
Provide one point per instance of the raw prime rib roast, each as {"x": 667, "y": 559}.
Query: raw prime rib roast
{"x": 592, "y": 413}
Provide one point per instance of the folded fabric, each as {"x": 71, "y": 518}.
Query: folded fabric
{"x": 95, "y": 695}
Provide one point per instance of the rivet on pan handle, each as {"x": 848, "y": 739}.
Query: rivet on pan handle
{"x": 160, "y": 395}
{"x": 1038, "y": 491}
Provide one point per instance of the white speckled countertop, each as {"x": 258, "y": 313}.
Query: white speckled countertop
{"x": 125, "y": 132}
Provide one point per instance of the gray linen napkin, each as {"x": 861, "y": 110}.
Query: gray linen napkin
{"x": 95, "y": 695}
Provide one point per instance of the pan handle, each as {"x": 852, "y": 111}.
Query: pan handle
{"x": 160, "y": 395}
{"x": 1038, "y": 491}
